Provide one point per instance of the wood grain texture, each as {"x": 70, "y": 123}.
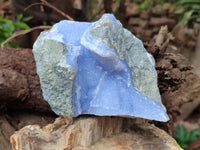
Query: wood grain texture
{"x": 19, "y": 83}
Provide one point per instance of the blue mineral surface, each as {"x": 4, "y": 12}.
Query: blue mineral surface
{"x": 103, "y": 84}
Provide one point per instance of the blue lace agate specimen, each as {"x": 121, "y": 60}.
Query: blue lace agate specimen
{"x": 97, "y": 68}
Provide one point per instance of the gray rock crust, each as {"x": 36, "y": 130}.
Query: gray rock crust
{"x": 56, "y": 77}
{"x": 131, "y": 49}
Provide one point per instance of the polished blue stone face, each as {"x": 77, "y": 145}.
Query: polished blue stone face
{"x": 103, "y": 84}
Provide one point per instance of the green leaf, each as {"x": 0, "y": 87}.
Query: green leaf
{"x": 21, "y": 25}
{"x": 144, "y": 5}
{"x": 191, "y": 2}
{"x": 180, "y": 133}
{"x": 184, "y": 145}
{"x": 194, "y": 134}
{"x": 12, "y": 44}
{"x": 194, "y": 17}
{"x": 3, "y": 20}
{"x": 19, "y": 17}
{"x": 183, "y": 138}
{"x": 27, "y": 18}
{"x": 7, "y": 27}
{"x": 116, "y": 1}
{"x": 184, "y": 20}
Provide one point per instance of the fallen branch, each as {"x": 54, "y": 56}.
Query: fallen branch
{"x": 19, "y": 84}
{"x": 160, "y": 42}
{"x": 22, "y": 32}
{"x": 50, "y": 6}
{"x": 163, "y": 48}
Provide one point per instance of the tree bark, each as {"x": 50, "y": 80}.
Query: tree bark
{"x": 19, "y": 82}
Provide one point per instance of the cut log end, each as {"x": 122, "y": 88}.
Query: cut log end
{"x": 92, "y": 133}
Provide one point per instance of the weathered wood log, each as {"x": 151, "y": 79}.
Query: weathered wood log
{"x": 93, "y": 133}
{"x": 179, "y": 84}
{"x": 19, "y": 83}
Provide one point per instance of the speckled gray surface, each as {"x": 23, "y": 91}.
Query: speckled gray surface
{"x": 56, "y": 77}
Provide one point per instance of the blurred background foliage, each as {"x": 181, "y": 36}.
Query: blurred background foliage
{"x": 183, "y": 137}
{"x": 8, "y": 27}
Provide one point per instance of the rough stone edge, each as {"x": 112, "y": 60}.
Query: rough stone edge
{"x": 55, "y": 74}
{"x": 124, "y": 53}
